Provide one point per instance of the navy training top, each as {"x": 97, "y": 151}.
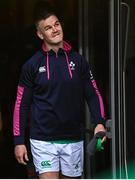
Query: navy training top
{"x": 51, "y": 93}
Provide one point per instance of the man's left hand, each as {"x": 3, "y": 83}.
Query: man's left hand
{"x": 99, "y": 128}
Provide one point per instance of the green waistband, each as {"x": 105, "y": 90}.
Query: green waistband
{"x": 64, "y": 141}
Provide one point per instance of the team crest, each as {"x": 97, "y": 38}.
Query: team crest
{"x": 72, "y": 65}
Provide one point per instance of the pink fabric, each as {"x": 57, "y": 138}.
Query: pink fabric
{"x": 66, "y": 47}
{"x": 16, "y": 118}
{"x": 48, "y": 70}
{"x": 68, "y": 65}
{"x": 100, "y": 98}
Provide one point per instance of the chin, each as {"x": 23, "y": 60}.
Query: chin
{"x": 58, "y": 42}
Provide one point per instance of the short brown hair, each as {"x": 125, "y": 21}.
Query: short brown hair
{"x": 42, "y": 11}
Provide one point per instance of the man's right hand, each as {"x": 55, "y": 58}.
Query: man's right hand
{"x": 21, "y": 154}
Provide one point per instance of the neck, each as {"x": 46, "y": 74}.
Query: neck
{"x": 54, "y": 47}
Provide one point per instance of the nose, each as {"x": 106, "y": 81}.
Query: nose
{"x": 54, "y": 28}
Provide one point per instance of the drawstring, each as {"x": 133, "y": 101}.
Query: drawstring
{"x": 67, "y": 59}
{"x": 48, "y": 70}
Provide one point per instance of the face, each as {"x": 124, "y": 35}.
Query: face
{"x": 50, "y": 31}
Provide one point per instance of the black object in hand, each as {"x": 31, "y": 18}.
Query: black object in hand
{"x": 93, "y": 145}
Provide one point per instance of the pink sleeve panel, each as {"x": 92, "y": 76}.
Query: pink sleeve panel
{"x": 99, "y": 97}
{"x": 16, "y": 115}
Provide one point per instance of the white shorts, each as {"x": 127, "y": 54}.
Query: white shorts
{"x": 54, "y": 157}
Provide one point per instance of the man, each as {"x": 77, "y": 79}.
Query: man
{"x": 53, "y": 87}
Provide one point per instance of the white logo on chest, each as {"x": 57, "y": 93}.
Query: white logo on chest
{"x": 42, "y": 69}
{"x": 72, "y": 65}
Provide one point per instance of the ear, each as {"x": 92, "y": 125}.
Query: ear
{"x": 40, "y": 35}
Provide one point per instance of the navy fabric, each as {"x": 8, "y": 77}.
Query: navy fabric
{"x": 57, "y": 104}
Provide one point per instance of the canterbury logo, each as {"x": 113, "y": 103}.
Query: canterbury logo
{"x": 46, "y": 164}
{"x": 42, "y": 69}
